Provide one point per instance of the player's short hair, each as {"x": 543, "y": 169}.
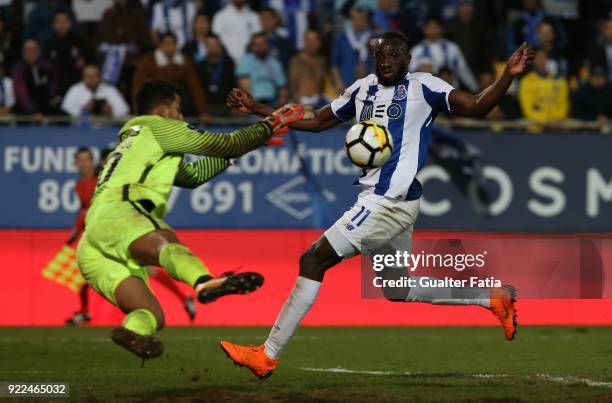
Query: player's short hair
{"x": 396, "y": 36}
{"x": 153, "y": 93}
{"x": 84, "y": 149}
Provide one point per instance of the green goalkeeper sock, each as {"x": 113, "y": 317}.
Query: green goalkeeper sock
{"x": 140, "y": 321}
{"x": 181, "y": 264}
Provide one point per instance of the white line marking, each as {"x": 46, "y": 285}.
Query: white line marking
{"x": 340, "y": 370}
{"x": 569, "y": 380}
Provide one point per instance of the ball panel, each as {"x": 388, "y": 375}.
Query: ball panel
{"x": 359, "y": 154}
{"x": 368, "y": 144}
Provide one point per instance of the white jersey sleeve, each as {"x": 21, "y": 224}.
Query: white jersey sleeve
{"x": 344, "y": 106}
{"x": 436, "y": 91}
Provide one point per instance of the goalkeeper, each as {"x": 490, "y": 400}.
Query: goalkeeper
{"x": 124, "y": 227}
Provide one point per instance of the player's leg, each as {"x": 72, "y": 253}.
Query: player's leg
{"x": 320, "y": 257}
{"x": 161, "y": 247}
{"x": 262, "y": 360}
{"x": 499, "y": 300}
{"x": 164, "y": 279}
{"x": 144, "y": 317}
{"x": 82, "y": 315}
{"x": 338, "y": 242}
{"x": 127, "y": 289}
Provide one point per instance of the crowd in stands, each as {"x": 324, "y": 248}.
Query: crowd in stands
{"x": 83, "y": 58}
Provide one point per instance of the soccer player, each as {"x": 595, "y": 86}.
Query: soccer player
{"x": 124, "y": 227}
{"x": 85, "y": 187}
{"x": 388, "y": 205}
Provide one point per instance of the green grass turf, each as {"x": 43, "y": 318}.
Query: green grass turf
{"x": 464, "y": 364}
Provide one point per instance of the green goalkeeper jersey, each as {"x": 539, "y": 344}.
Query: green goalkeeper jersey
{"x": 148, "y": 159}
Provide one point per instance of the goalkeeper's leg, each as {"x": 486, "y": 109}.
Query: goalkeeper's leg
{"x": 144, "y": 318}
{"x": 125, "y": 287}
{"x": 162, "y": 248}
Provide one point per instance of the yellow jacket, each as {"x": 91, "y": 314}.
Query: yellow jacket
{"x": 544, "y": 99}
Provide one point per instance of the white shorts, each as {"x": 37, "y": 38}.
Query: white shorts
{"x": 374, "y": 222}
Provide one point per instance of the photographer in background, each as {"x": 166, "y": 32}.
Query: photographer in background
{"x": 93, "y": 97}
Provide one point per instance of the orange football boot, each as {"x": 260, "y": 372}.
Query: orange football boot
{"x": 251, "y": 357}
{"x": 502, "y": 306}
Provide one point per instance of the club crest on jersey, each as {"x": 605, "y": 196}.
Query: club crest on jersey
{"x": 400, "y": 93}
{"x": 394, "y": 111}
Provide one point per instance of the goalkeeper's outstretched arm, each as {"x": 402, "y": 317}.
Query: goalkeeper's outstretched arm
{"x": 177, "y": 137}
{"x": 193, "y": 174}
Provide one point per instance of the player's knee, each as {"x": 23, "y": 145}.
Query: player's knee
{"x": 311, "y": 266}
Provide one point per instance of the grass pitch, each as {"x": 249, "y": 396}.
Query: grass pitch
{"x": 358, "y": 364}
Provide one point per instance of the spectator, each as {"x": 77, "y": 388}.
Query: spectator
{"x": 557, "y": 62}
{"x": 471, "y": 36}
{"x": 446, "y": 74}
{"x": 442, "y": 53}
{"x": 278, "y": 39}
{"x": 66, "y": 50}
{"x": 508, "y": 107}
{"x": 8, "y": 49}
{"x": 262, "y": 74}
{"x": 7, "y": 93}
{"x": 543, "y": 97}
{"x": 125, "y": 36}
{"x": 385, "y": 17}
{"x": 295, "y": 15}
{"x": 350, "y": 56}
{"x": 307, "y": 73}
{"x": 425, "y": 65}
{"x": 523, "y": 26}
{"x": 36, "y": 84}
{"x": 174, "y": 16}
{"x": 88, "y": 14}
{"x": 196, "y": 48}
{"x": 93, "y": 97}
{"x": 168, "y": 64}
{"x": 217, "y": 75}
{"x": 593, "y": 100}
{"x": 413, "y": 15}
{"x": 601, "y": 53}
{"x": 40, "y": 20}
{"x": 235, "y": 15}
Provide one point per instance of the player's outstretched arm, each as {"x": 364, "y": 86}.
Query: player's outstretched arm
{"x": 465, "y": 104}
{"x": 177, "y": 137}
{"x": 322, "y": 119}
{"x": 193, "y": 174}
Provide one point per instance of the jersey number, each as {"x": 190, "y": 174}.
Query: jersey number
{"x": 113, "y": 161}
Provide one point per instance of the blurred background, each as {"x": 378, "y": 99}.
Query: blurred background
{"x": 537, "y": 165}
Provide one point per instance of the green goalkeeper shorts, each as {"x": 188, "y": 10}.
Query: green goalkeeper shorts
{"x": 103, "y": 253}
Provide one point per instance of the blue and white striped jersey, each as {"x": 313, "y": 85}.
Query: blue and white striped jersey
{"x": 408, "y": 110}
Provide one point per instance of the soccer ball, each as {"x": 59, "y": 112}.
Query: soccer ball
{"x": 368, "y": 144}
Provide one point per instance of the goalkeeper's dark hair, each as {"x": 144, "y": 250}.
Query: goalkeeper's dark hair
{"x": 395, "y": 36}
{"x": 153, "y": 93}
